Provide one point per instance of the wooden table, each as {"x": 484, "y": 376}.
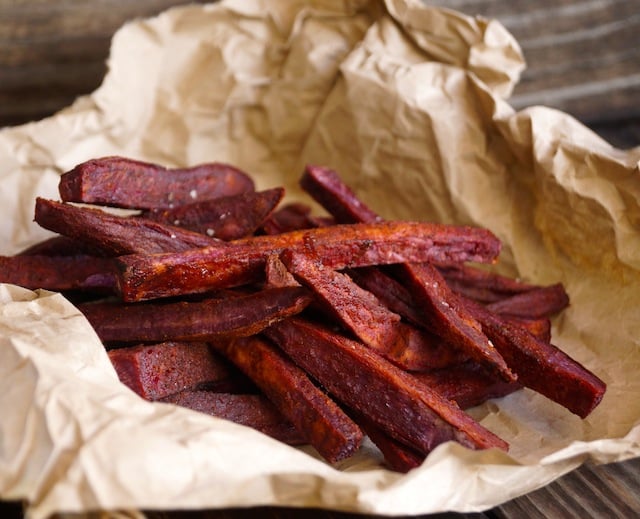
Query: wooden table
{"x": 582, "y": 56}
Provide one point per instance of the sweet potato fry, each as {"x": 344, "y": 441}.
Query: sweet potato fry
{"x": 327, "y": 188}
{"x": 368, "y": 319}
{"x": 251, "y": 410}
{"x": 540, "y": 328}
{"x": 122, "y": 182}
{"x": 60, "y": 246}
{"x": 293, "y": 217}
{"x": 338, "y": 246}
{"x": 59, "y": 273}
{"x": 482, "y": 285}
{"x": 194, "y": 320}
{"x": 387, "y": 395}
{"x": 468, "y": 384}
{"x": 397, "y": 456}
{"x": 227, "y": 218}
{"x": 155, "y": 371}
{"x": 540, "y": 365}
{"x": 442, "y": 313}
{"x": 319, "y": 419}
{"x": 533, "y": 304}
{"x": 447, "y": 317}
{"x": 397, "y": 298}
{"x": 115, "y": 234}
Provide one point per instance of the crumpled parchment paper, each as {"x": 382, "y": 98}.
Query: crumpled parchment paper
{"x": 410, "y": 104}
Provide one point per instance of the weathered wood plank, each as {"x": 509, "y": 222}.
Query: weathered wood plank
{"x": 582, "y": 55}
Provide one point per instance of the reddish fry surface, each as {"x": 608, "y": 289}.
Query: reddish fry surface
{"x": 60, "y": 246}
{"x": 318, "y": 418}
{"x": 367, "y": 383}
{"x": 115, "y": 234}
{"x": 252, "y": 410}
{"x": 226, "y": 218}
{"x": 205, "y": 320}
{"x": 397, "y": 298}
{"x": 482, "y": 285}
{"x": 447, "y": 317}
{"x": 155, "y": 371}
{"x": 441, "y": 312}
{"x": 339, "y": 246}
{"x": 537, "y": 303}
{"x": 123, "y": 182}
{"x": 540, "y": 365}
{"x": 467, "y": 384}
{"x": 368, "y": 319}
{"x": 59, "y": 273}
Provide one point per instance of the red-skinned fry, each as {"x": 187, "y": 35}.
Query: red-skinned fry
{"x": 445, "y": 315}
{"x": 467, "y": 384}
{"x": 368, "y": 319}
{"x": 128, "y": 183}
{"x": 540, "y": 365}
{"x": 60, "y": 273}
{"x": 338, "y": 246}
{"x": 440, "y": 310}
{"x": 367, "y": 383}
{"x": 251, "y": 410}
{"x": 316, "y": 416}
{"x": 114, "y": 234}
{"x": 536, "y": 303}
{"x": 204, "y": 320}
{"x": 226, "y": 218}
{"x": 480, "y": 284}
{"x": 156, "y": 371}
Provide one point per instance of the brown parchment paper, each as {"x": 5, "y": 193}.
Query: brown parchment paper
{"x": 410, "y": 104}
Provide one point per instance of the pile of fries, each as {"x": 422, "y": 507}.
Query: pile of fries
{"x": 315, "y": 330}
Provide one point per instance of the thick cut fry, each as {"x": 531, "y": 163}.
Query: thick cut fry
{"x": 541, "y": 366}
{"x": 368, "y": 319}
{"x": 115, "y": 234}
{"x": 60, "y": 246}
{"x": 318, "y": 418}
{"x": 59, "y": 273}
{"x": 533, "y": 304}
{"x": 387, "y": 395}
{"x": 327, "y": 188}
{"x": 293, "y": 217}
{"x": 447, "y": 317}
{"x": 442, "y": 313}
{"x": 155, "y": 371}
{"x": 194, "y": 320}
{"x": 339, "y": 246}
{"x": 397, "y": 298}
{"x": 467, "y": 384}
{"x": 397, "y": 456}
{"x": 122, "y": 182}
{"x": 227, "y": 218}
{"x": 252, "y": 410}
{"x": 480, "y": 284}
